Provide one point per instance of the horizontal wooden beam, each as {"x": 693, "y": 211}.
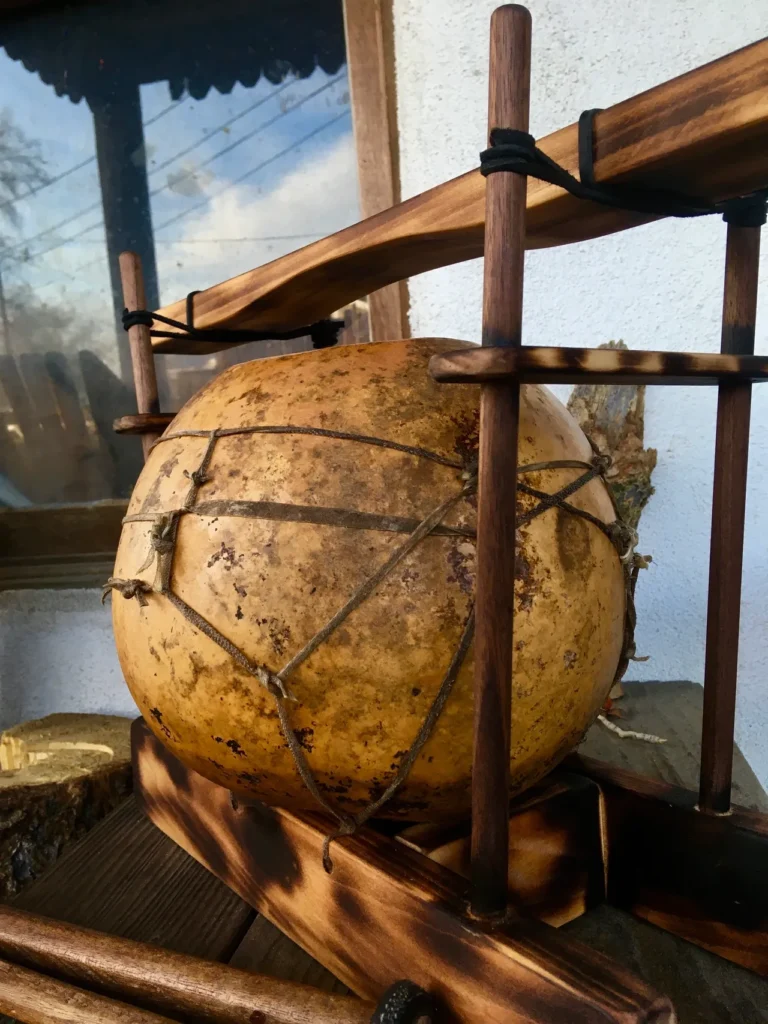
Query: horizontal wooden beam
{"x": 699, "y": 876}
{"x": 705, "y": 133}
{"x": 594, "y": 366}
{"x": 385, "y": 912}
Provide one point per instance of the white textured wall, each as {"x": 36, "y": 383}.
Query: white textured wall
{"x": 658, "y": 287}
{"x": 57, "y": 653}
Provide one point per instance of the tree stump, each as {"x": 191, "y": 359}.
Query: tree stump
{"x": 59, "y": 775}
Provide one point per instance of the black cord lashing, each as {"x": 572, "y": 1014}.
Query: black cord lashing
{"x": 516, "y": 151}
{"x": 324, "y": 333}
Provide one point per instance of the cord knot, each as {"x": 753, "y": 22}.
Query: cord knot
{"x": 272, "y": 681}
{"x": 601, "y": 463}
{"x": 128, "y": 588}
{"x": 137, "y": 317}
{"x": 746, "y": 211}
{"x": 623, "y": 538}
{"x": 510, "y": 150}
{"x": 325, "y": 333}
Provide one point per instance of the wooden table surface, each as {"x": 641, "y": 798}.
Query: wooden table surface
{"x": 125, "y": 877}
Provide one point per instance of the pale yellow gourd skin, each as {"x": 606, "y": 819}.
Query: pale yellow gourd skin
{"x": 269, "y": 586}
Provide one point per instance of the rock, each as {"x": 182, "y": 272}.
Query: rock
{"x": 59, "y": 775}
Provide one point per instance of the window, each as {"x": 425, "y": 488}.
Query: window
{"x": 209, "y": 138}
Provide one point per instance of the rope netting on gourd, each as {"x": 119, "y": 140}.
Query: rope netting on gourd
{"x": 163, "y": 537}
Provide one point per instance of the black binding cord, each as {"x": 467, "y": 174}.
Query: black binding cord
{"x": 324, "y": 333}
{"x": 516, "y": 151}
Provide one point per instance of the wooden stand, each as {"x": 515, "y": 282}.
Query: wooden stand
{"x": 400, "y": 904}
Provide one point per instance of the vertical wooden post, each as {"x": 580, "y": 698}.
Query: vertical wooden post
{"x": 728, "y": 506}
{"x": 509, "y": 89}
{"x": 142, "y": 359}
{"x": 371, "y": 68}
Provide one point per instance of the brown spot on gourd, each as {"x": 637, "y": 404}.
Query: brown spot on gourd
{"x": 304, "y": 737}
{"x": 158, "y": 717}
{"x": 526, "y": 587}
{"x": 226, "y": 555}
{"x": 461, "y": 558}
{"x": 235, "y": 747}
{"x": 573, "y": 541}
{"x": 169, "y": 465}
{"x": 279, "y": 635}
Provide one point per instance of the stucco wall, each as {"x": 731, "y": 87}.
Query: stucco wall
{"x": 658, "y": 287}
{"x": 57, "y": 654}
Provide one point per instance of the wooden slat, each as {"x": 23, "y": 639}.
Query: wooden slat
{"x": 370, "y": 66}
{"x": 59, "y": 545}
{"x": 704, "y": 133}
{"x": 125, "y": 878}
{"x": 385, "y": 912}
{"x": 594, "y": 366}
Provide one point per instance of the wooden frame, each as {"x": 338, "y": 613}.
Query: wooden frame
{"x": 688, "y": 862}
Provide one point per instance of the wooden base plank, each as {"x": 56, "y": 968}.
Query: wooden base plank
{"x": 557, "y": 863}
{"x": 701, "y": 876}
{"x": 385, "y": 912}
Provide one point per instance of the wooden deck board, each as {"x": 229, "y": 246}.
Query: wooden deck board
{"x": 126, "y": 878}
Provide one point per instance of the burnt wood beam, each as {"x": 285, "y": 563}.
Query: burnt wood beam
{"x": 596, "y": 366}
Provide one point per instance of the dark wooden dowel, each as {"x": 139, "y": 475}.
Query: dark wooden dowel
{"x": 181, "y": 986}
{"x": 142, "y": 359}
{"x": 728, "y": 506}
{"x": 508, "y": 103}
{"x": 144, "y": 423}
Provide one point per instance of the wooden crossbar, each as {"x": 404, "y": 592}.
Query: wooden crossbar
{"x": 704, "y": 133}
